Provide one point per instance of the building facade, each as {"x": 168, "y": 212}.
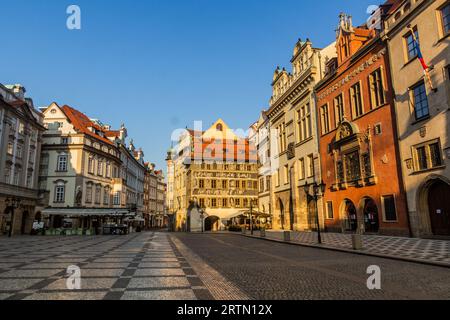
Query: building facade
{"x": 21, "y": 128}
{"x": 292, "y": 122}
{"x": 214, "y": 178}
{"x": 423, "y": 109}
{"x": 265, "y": 170}
{"x": 358, "y": 140}
{"x": 80, "y": 168}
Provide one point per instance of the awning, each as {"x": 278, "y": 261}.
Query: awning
{"x": 84, "y": 212}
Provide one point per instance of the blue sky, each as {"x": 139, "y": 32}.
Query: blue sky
{"x": 160, "y": 65}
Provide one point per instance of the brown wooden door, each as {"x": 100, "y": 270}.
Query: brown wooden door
{"x": 439, "y": 207}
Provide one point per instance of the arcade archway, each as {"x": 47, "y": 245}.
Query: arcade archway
{"x": 212, "y": 223}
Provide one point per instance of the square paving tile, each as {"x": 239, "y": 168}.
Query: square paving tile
{"x": 36, "y": 273}
{"x": 17, "y": 284}
{"x": 67, "y": 296}
{"x": 159, "y": 272}
{"x": 101, "y": 272}
{"x": 178, "y": 294}
{"x": 158, "y": 282}
{"x": 159, "y": 265}
{"x": 86, "y": 283}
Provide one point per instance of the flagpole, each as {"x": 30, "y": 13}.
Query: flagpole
{"x": 425, "y": 70}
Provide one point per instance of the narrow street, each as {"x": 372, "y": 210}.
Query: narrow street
{"x": 159, "y": 266}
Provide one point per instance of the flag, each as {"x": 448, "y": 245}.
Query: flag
{"x": 426, "y": 68}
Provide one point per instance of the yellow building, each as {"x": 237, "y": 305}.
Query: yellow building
{"x": 212, "y": 179}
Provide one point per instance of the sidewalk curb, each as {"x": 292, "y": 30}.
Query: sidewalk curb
{"x": 361, "y": 253}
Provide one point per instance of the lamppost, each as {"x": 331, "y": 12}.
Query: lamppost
{"x": 12, "y": 204}
{"x": 251, "y": 216}
{"x": 315, "y": 195}
{"x": 202, "y": 216}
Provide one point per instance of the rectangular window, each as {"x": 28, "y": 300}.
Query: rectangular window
{"x": 59, "y": 193}
{"x": 245, "y": 203}
{"x": 428, "y": 156}
{"x": 62, "y": 163}
{"x": 19, "y": 151}
{"x": 224, "y": 184}
{"x": 98, "y": 192}
{"x": 202, "y": 203}
{"x": 100, "y": 168}
{"x": 116, "y": 198}
{"x": 377, "y": 97}
{"x": 325, "y": 120}
{"x": 301, "y": 168}
{"x": 310, "y": 166}
{"x": 8, "y": 174}
{"x": 21, "y": 127}
{"x": 10, "y": 149}
{"x": 330, "y": 213}
{"x": 445, "y": 14}
{"x": 213, "y": 184}
{"x": 267, "y": 183}
{"x": 411, "y": 47}
{"x": 356, "y": 99}
{"x": 64, "y": 140}
{"x": 420, "y": 101}
{"x": 89, "y": 193}
{"x": 106, "y": 196}
{"x": 304, "y": 123}
{"x": 338, "y": 109}
{"x": 224, "y": 203}
{"x": 261, "y": 185}
{"x": 237, "y": 203}
{"x": 91, "y": 165}
{"x": 201, "y": 183}
{"x": 286, "y": 174}
{"x": 214, "y": 203}
{"x": 389, "y": 210}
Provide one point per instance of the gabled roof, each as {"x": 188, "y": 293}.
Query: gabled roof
{"x": 82, "y": 123}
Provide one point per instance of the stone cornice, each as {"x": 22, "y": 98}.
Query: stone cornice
{"x": 302, "y": 83}
{"x": 350, "y": 76}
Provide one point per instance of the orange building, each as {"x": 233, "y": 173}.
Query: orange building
{"x": 358, "y": 142}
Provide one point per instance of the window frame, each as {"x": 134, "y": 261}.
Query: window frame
{"x": 383, "y": 208}
{"x": 412, "y": 94}
{"x": 62, "y": 166}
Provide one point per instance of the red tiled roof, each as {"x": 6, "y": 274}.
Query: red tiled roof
{"x": 112, "y": 133}
{"x": 82, "y": 123}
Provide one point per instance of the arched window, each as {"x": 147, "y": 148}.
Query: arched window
{"x": 219, "y": 127}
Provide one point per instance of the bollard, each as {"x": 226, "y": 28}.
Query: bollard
{"x": 287, "y": 236}
{"x": 357, "y": 242}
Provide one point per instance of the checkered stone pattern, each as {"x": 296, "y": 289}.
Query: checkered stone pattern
{"x": 411, "y": 248}
{"x": 142, "y": 266}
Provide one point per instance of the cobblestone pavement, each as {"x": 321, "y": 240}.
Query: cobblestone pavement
{"x": 139, "y": 266}
{"x": 410, "y": 248}
{"x": 270, "y": 270}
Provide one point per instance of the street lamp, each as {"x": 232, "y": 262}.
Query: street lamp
{"x": 12, "y": 204}
{"x": 318, "y": 190}
{"x": 202, "y": 215}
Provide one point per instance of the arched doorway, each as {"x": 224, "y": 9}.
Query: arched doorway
{"x": 212, "y": 223}
{"x": 371, "y": 221}
{"x": 350, "y": 216}
{"x": 281, "y": 213}
{"x": 439, "y": 208}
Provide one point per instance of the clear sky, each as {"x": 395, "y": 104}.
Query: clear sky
{"x": 159, "y": 65}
